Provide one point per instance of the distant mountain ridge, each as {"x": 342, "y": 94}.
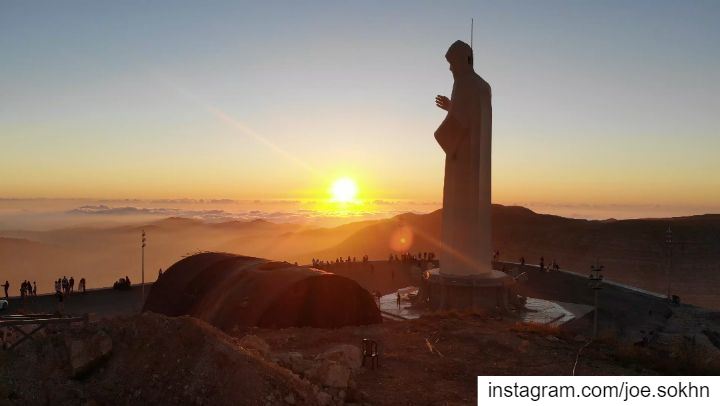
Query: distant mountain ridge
{"x": 633, "y": 251}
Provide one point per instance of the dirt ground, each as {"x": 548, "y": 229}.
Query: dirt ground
{"x": 154, "y": 360}
{"x": 435, "y": 360}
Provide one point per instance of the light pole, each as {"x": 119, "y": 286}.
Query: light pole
{"x": 596, "y": 284}
{"x": 668, "y": 269}
{"x": 142, "y": 267}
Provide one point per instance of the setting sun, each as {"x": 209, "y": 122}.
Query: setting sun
{"x": 344, "y": 190}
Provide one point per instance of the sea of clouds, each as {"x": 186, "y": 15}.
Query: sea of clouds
{"x": 39, "y": 214}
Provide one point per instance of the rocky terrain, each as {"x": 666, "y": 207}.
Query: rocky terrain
{"x": 153, "y": 359}
{"x": 147, "y": 359}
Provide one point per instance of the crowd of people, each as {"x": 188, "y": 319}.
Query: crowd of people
{"x": 318, "y": 263}
{"x": 123, "y": 284}
{"x": 63, "y": 285}
{"x": 67, "y": 286}
{"x": 409, "y": 257}
{"x": 27, "y": 289}
{"x": 421, "y": 257}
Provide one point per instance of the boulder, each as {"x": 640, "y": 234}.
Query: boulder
{"x": 295, "y": 362}
{"x": 330, "y": 374}
{"x": 345, "y": 354}
{"x": 86, "y": 354}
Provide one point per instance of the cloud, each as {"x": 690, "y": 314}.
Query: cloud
{"x": 217, "y": 215}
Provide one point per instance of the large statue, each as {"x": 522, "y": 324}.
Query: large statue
{"x": 465, "y": 137}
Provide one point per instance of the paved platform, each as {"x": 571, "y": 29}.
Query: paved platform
{"x": 552, "y": 312}
{"x": 541, "y": 311}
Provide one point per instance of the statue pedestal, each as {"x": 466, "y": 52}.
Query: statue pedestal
{"x": 489, "y": 291}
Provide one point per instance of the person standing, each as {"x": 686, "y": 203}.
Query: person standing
{"x": 6, "y": 286}
{"x": 60, "y": 304}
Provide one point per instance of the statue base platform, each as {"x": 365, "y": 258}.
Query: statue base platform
{"x": 490, "y": 291}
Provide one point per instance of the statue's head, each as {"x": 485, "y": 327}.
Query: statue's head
{"x": 460, "y": 57}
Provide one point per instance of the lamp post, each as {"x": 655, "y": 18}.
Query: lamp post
{"x": 668, "y": 268}
{"x": 142, "y": 266}
{"x": 596, "y": 284}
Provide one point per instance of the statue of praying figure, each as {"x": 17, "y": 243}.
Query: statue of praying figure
{"x": 465, "y": 137}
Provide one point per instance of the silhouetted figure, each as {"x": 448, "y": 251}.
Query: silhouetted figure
{"x": 82, "y": 285}
{"x": 542, "y": 264}
{"x": 34, "y": 288}
{"x": 72, "y": 284}
{"x": 60, "y": 304}
{"x": 465, "y": 138}
{"x": 6, "y": 286}
{"x": 522, "y": 261}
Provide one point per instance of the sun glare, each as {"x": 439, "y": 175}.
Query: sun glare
{"x": 344, "y": 190}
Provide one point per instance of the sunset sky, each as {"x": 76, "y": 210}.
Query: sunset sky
{"x": 612, "y": 104}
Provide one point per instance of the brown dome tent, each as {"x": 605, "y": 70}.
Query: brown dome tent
{"x": 228, "y": 290}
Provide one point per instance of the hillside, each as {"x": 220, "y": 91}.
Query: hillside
{"x": 633, "y": 251}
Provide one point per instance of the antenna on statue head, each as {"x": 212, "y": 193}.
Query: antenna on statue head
{"x": 472, "y": 23}
{"x": 472, "y": 51}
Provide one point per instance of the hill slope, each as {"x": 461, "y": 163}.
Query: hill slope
{"x": 633, "y": 251}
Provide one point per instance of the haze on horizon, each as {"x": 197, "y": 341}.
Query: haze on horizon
{"x": 601, "y": 109}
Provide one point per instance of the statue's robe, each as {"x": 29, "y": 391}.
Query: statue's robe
{"x": 465, "y": 137}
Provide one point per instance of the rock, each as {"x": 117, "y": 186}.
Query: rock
{"x": 295, "y": 362}
{"x": 253, "y": 342}
{"x": 86, "y": 354}
{"x": 331, "y": 374}
{"x": 323, "y": 399}
{"x": 345, "y": 354}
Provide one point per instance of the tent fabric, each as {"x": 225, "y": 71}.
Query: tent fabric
{"x": 229, "y": 290}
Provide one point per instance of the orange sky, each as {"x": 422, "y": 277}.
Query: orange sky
{"x": 592, "y": 108}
